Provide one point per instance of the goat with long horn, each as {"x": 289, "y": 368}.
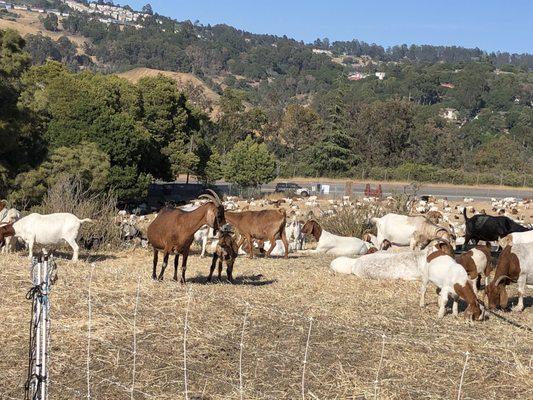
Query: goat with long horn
{"x": 172, "y": 232}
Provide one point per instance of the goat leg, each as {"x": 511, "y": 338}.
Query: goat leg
{"x": 184, "y": 266}
{"x": 212, "y": 269}
{"x": 285, "y": 243}
{"x": 164, "y": 265}
{"x": 220, "y": 269}
{"x": 229, "y": 271}
{"x": 154, "y": 275}
{"x": 176, "y": 259}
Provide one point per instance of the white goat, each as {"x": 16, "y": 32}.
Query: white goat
{"x": 202, "y": 236}
{"x": 8, "y": 216}
{"x": 293, "y": 231}
{"x": 383, "y": 265}
{"x": 46, "y": 230}
{"x": 334, "y": 244}
{"x": 516, "y": 238}
{"x": 452, "y": 279}
{"x": 400, "y": 229}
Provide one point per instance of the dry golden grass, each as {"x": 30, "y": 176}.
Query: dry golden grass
{"x": 29, "y": 23}
{"x": 422, "y": 358}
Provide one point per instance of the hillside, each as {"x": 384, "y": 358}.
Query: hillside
{"x": 28, "y": 23}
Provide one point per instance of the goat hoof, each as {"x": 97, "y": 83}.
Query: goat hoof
{"x": 517, "y": 309}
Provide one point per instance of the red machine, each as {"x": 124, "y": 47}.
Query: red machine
{"x": 373, "y": 193}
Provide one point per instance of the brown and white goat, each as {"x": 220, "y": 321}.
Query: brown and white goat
{"x": 443, "y": 271}
{"x": 226, "y": 251}
{"x": 515, "y": 265}
{"x": 172, "y": 232}
{"x": 477, "y": 263}
{"x": 260, "y": 225}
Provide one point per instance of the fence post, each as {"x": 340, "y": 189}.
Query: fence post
{"x": 376, "y": 381}
{"x": 89, "y": 328}
{"x": 467, "y": 354}
{"x": 241, "y": 386}
{"x": 185, "y": 330}
{"x": 42, "y": 272}
{"x": 135, "y": 337}
{"x": 305, "y": 357}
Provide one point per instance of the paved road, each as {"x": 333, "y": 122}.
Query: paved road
{"x": 452, "y": 192}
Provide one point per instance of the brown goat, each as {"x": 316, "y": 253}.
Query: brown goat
{"x": 260, "y": 225}
{"x": 172, "y": 232}
{"x": 507, "y": 271}
{"x": 227, "y": 250}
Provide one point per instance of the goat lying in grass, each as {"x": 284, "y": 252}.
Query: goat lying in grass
{"x": 226, "y": 251}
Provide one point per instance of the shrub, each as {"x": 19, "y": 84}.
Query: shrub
{"x": 351, "y": 221}
{"x": 67, "y": 195}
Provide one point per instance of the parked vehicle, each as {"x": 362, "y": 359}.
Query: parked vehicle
{"x": 284, "y": 187}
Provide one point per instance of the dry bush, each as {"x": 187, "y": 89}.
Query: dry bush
{"x": 351, "y": 221}
{"x": 67, "y": 195}
{"x": 402, "y": 201}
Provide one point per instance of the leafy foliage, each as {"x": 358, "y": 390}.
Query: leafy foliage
{"x": 249, "y": 164}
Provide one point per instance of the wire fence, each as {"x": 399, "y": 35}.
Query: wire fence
{"x": 236, "y": 363}
{"x": 149, "y": 341}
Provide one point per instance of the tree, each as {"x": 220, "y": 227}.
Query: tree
{"x": 85, "y": 161}
{"x": 249, "y": 164}
{"x": 51, "y": 22}
{"x": 147, "y": 9}
{"x": 182, "y": 158}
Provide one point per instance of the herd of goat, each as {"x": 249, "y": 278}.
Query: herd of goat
{"x": 410, "y": 247}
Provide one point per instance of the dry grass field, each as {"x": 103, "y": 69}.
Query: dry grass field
{"x": 419, "y": 357}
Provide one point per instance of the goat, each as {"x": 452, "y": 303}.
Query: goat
{"x": 516, "y": 238}
{"x": 293, "y": 231}
{"x": 48, "y": 229}
{"x": 172, "y": 232}
{"x": 202, "y": 236}
{"x": 489, "y": 228}
{"x": 227, "y": 251}
{"x": 334, "y": 244}
{"x": 8, "y": 216}
{"x": 260, "y": 225}
{"x": 515, "y": 265}
{"x": 442, "y": 270}
{"x": 477, "y": 262}
{"x": 406, "y": 265}
{"x": 399, "y": 229}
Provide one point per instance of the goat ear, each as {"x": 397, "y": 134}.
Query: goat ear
{"x": 504, "y": 298}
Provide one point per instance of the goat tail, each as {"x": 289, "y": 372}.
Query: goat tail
{"x": 464, "y": 214}
{"x": 86, "y": 220}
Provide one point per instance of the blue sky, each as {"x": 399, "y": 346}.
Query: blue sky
{"x": 488, "y": 24}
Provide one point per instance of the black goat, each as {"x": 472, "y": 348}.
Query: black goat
{"x": 489, "y": 228}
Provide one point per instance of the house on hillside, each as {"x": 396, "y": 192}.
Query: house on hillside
{"x": 451, "y": 114}
{"x": 320, "y": 51}
{"x": 380, "y": 75}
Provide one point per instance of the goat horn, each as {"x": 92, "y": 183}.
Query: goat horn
{"x": 215, "y": 195}
{"x": 208, "y": 197}
{"x": 435, "y": 239}
{"x": 497, "y": 282}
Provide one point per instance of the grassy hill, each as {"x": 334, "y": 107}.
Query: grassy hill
{"x": 28, "y": 23}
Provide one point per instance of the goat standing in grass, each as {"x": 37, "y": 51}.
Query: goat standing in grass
{"x": 172, "y": 232}
{"x": 226, "y": 250}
